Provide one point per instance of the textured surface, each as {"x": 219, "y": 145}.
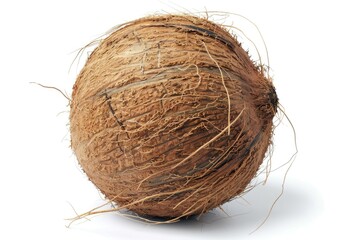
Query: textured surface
{"x": 170, "y": 117}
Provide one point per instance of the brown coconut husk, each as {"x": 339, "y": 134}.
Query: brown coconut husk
{"x": 170, "y": 117}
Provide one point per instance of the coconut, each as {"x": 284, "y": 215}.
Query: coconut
{"x": 170, "y": 117}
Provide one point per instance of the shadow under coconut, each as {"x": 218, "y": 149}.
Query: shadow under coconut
{"x": 299, "y": 205}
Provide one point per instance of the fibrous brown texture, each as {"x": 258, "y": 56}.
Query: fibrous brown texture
{"x": 170, "y": 117}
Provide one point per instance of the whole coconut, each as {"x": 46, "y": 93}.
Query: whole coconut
{"x": 170, "y": 117}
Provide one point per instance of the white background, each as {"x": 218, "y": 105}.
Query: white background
{"x": 314, "y": 56}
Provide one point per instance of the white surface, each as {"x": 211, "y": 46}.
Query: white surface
{"x": 314, "y": 53}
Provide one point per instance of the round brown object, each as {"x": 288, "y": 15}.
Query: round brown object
{"x": 170, "y": 117}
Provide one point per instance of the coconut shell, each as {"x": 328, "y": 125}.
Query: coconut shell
{"x": 170, "y": 117}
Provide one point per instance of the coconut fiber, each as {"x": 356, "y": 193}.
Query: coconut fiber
{"x": 170, "y": 117}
